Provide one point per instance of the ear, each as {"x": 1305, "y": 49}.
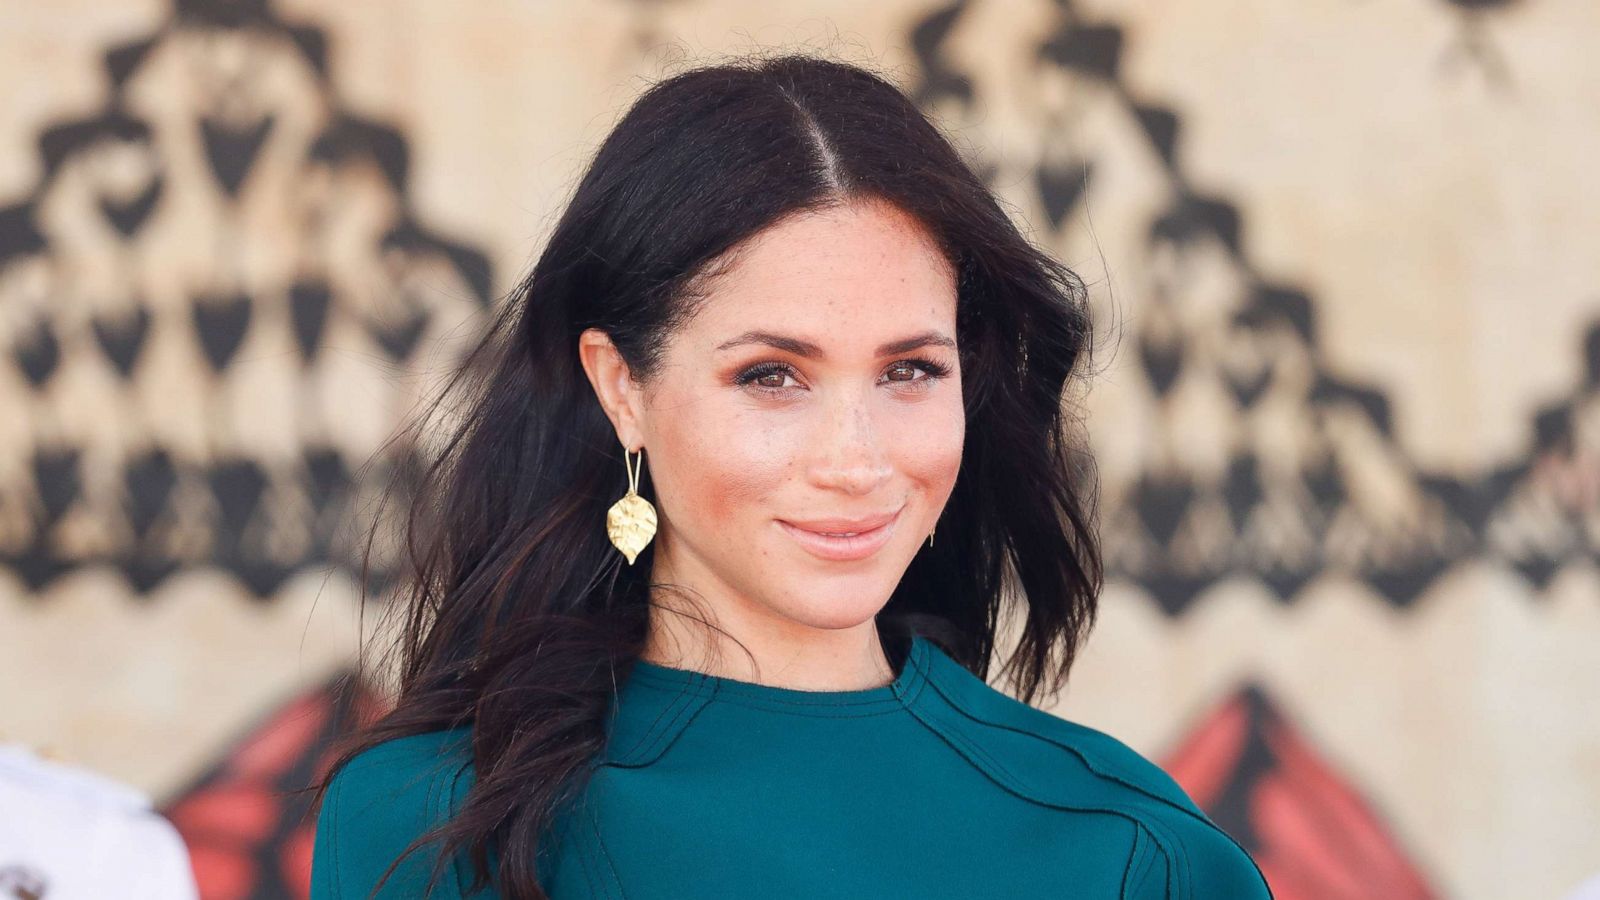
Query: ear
{"x": 613, "y": 385}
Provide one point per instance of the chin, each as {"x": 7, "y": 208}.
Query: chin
{"x": 839, "y": 620}
{"x": 837, "y": 603}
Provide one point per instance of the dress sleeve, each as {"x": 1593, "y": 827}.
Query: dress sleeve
{"x": 1201, "y": 862}
{"x": 373, "y": 809}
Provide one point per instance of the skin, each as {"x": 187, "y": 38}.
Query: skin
{"x": 844, "y": 432}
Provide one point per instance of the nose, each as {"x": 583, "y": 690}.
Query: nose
{"x": 851, "y": 455}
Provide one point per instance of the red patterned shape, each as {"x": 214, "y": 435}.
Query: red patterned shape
{"x": 222, "y": 874}
{"x": 248, "y": 822}
{"x": 273, "y": 749}
{"x": 239, "y": 813}
{"x": 1310, "y": 831}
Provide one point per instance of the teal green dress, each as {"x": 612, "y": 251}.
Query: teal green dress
{"x": 936, "y": 785}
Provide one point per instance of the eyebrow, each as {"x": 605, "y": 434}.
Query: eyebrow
{"x": 809, "y": 350}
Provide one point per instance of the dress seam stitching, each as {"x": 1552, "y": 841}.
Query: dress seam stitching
{"x": 605, "y": 855}
{"x": 1099, "y": 772}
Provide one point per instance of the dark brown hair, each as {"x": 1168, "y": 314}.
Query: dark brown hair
{"x": 518, "y": 617}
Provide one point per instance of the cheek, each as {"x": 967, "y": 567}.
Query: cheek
{"x": 724, "y": 467}
{"x": 931, "y": 446}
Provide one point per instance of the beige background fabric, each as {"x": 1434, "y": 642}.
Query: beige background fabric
{"x": 1346, "y": 418}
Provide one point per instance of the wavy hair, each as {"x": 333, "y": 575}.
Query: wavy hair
{"x": 517, "y": 617}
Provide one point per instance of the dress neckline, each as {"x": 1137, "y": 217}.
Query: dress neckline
{"x": 853, "y": 702}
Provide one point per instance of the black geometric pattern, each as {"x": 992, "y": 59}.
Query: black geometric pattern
{"x": 1350, "y": 502}
{"x": 259, "y": 151}
{"x": 244, "y": 235}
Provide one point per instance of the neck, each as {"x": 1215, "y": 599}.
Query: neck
{"x": 734, "y": 638}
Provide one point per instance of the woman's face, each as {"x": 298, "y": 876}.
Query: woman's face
{"x": 816, "y": 389}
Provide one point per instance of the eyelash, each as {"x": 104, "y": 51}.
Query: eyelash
{"x": 749, "y": 376}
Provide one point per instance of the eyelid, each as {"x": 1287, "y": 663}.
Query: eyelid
{"x": 750, "y": 374}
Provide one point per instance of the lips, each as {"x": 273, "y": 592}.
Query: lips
{"x": 842, "y": 526}
{"x": 842, "y": 539}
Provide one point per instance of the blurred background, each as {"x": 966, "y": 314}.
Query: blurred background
{"x": 1343, "y": 260}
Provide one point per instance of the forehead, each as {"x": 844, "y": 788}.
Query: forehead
{"x": 835, "y": 274}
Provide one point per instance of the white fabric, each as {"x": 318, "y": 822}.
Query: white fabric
{"x": 1589, "y": 890}
{"x": 69, "y": 833}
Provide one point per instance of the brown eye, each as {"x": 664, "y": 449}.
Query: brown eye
{"x": 932, "y": 371}
{"x": 756, "y": 376}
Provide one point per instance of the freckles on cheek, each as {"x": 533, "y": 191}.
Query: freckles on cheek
{"x": 743, "y": 470}
{"x": 940, "y": 448}
{"x": 727, "y": 470}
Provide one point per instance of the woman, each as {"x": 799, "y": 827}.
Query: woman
{"x": 749, "y": 669}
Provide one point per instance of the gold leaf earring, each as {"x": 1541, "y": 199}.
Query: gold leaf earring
{"x": 631, "y": 521}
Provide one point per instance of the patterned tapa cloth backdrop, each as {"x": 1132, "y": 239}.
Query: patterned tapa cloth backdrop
{"x": 1346, "y": 414}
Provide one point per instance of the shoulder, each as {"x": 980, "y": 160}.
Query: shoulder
{"x": 73, "y": 813}
{"x": 1178, "y": 850}
{"x": 378, "y": 803}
